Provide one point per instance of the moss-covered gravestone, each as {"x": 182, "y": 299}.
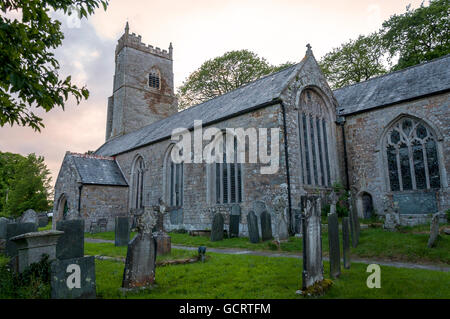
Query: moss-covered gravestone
{"x": 235, "y": 217}
{"x": 252, "y": 224}
{"x": 71, "y": 243}
{"x": 121, "y": 231}
{"x": 217, "y": 227}
{"x": 334, "y": 248}
{"x": 434, "y": 231}
{"x": 346, "y": 241}
{"x": 266, "y": 226}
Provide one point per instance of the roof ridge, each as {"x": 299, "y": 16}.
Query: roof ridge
{"x": 92, "y": 156}
{"x": 397, "y": 71}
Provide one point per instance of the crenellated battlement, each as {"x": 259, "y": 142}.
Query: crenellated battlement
{"x": 133, "y": 40}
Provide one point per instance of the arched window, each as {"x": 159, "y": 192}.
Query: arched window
{"x": 228, "y": 178}
{"x": 154, "y": 79}
{"x": 411, "y": 152}
{"x": 174, "y": 178}
{"x": 138, "y": 183}
{"x": 314, "y": 129}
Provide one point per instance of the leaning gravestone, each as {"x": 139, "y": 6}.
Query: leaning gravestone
{"x": 217, "y": 227}
{"x": 434, "y": 230}
{"x": 266, "y": 226}
{"x": 140, "y": 264}
{"x": 121, "y": 231}
{"x": 334, "y": 248}
{"x": 73, "y": 278}
{"x": 29, "y": 216}
{"x": 71, "y": 243}
{"x": 16, "y": 229}
{"x": 252, "y": 223}
{"x": 346, "y": 241}
{"x": 312, "y": 246}
{"x": 235, "y": 217}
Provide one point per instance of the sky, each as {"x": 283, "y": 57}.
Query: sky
{"x": 199, "y": 30}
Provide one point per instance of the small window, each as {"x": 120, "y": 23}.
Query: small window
{"x": 154, "y": 79}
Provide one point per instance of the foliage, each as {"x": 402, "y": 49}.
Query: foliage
{"x": 418, "y": 35}
{"x": 354, "y": 61}
{"x": 33, "y": 282}
{"x": 447, "y": 213}
{"x": 29, "y": 71}
{"x": 223, "y": 74}
{"x": 24, "y": 184}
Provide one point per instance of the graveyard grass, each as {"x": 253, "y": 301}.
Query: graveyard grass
{"x": 407, "y": 245}
{"x": 241, "y": 276}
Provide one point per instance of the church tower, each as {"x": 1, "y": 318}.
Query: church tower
{"x": 143, "y": 90}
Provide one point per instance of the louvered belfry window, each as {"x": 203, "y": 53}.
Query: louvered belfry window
{"x": 154, "y": 79}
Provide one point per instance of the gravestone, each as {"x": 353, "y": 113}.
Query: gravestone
{"x": 333, "y": 197}
{"x": 354, "y": 223}
{"x": 163, "y": 240}
{"x": 252, "y": 223}
{"x": 259, "y": 207}
{"x": 31, "y": 247}
{"x": 73, "y": 278}
{"x": 121, "y": 231}
{"x": 43, "y": 219}
{"x": 297, "y": 215}
{"x": 434, "y": 230}
{"x": 266, "y": 226}
{"x": 312, "y": 245}
{"x": 217, "y": 227}
{"x": 16, "y": 229}
{"x": 279, "y": 206}
{"x": 3, "y": 222}
{"x": 29, "y": 216}
{"x": 346, "y": 241}
{"x": 283, "y": 234}
{"x": 71, "y": 243}
{"x": 140, "y": 263}
{"x": 333, "y": 244}
{"x": 235, "y": 218}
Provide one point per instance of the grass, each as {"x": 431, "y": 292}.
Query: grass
{"x": 241, "y": 276}
{"x": 408, "y": 245}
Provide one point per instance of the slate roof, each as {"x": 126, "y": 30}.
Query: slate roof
{"x": 98, "y": 171}
{"x": 242, "y": 99}
{"x": 413, "y": 82}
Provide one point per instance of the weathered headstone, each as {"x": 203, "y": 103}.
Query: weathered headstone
{"x": 43, "y": 219}
{"x": 354, "y": 223}
{"x": 279, "y": 206}
{"x": 31, "y": 247}
{"x": 16, "y": 229}
{"x": 122, "y": 231}
{"x": 258, "y": 208}
{"x": 312, "y": 246}
{"x": 434, "y": 230}
{"x": 283, "y": 234}
{"x": 252, "y": 223}
{"x": 71, "y": 243}
{"x": 266, "y": 226}
{"x": 73, "y": 278}
{"x": 297, "y": 214}
{"x": 346, "y": 241}
{"x": 29, "y": 216}
{"x": 333, "y": 197}
{"x": 217, "y": 227}
{"x": 140, "y": 263}
{"x": 333, "y": 244}
{"x": 235, "y": 218}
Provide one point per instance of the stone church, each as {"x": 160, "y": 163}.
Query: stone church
{"x": 385, "y": 140}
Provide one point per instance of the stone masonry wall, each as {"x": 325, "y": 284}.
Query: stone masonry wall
{"x": 364, "y": 133}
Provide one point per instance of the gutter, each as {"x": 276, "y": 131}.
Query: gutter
{"x": 79, "y": 198}
{"x": 288, "y": 176}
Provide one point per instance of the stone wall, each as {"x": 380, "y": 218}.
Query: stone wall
{"x": 367, "y": 167}
{"x": 101, "y": 201}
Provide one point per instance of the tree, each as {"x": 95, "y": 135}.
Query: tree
{"x": 223, "y": 74}
{"x": 24, "y": 184}
{"x": 28, "y": 69}
{"x": 354, "y": 61}
{"x": 418, "y": 35}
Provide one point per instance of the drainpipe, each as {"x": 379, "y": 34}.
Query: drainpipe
{"x": 79, "y": 198}
{"x": 288, "y": 176}
{"x": 341, "y": 122}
